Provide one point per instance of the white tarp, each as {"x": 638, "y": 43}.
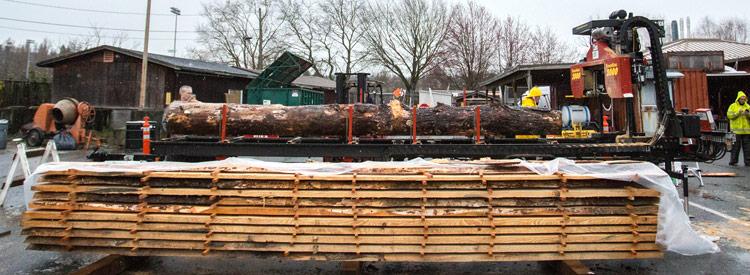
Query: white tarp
{"x": 674, "y": 231}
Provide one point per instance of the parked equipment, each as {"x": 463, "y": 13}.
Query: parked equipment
{"x": 68, "y": 115}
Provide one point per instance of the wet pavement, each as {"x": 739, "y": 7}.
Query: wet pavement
{"x": 721, "y": 208}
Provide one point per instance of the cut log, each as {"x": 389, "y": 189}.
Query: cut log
{"x": 204, "y": 119}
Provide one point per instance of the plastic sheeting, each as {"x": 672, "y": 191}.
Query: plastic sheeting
{"x": 674, "y": 231}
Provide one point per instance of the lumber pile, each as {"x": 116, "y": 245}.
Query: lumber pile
{"x": 499, "y": 212}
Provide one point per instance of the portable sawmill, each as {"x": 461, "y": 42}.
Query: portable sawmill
{"x": 614, "y": 70}
{"x": 422, "y": 211}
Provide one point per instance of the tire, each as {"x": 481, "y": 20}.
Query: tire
{"x": 35, "y": 137}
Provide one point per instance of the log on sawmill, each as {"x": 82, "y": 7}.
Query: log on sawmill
{"x": 204, "y": 119}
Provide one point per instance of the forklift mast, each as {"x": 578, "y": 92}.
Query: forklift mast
{"x": 342, "y": 88}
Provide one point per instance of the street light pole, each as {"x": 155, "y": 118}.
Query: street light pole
{"x": 28, "y": 56}
{"x": 176, "y": 12}
{"x": 144, "y": 64}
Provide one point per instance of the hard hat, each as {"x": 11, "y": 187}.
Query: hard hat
{"x": 535, "y": 92}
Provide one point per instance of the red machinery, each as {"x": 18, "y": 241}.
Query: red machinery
{"x": 616, "y": 68}
{"x": 67, "y": 114}
{"x": 707, "y": 119}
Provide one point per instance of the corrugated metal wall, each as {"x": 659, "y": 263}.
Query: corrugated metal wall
{"x": 691, "y": 91}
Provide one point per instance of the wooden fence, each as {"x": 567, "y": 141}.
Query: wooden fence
{"x": 24, "y": 93}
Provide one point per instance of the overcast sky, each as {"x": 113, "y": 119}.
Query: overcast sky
{"x": 560, "y": 15}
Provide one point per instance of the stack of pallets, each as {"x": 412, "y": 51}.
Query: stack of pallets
{"x": 498, "y": 213}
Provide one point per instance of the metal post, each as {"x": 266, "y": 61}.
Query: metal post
{"x": 362, "y": 86}
{"x": 176, "y": 12}
{"x": 685, "y": 193}
{"x": 28, "y": 56}
{"x": 630, "y": 112}
{"x": 380, "y": 89}
{"x": 342, "y": 90}
{"x": 144, "y": 64}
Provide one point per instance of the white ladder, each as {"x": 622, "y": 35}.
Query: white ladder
{"x": 21, "y": 157}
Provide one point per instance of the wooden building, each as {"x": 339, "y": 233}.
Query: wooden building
{"x": 714, "y": 71}
{"x": 109, "y": 77}
{"x": 511, "y": 84}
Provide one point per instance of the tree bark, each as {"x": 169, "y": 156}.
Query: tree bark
{"x": 204, "y": 119}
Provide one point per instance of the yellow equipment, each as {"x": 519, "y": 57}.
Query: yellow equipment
{"x": 577, "y": 132}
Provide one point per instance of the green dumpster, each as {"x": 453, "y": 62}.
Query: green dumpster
{"x": 274, "y": 84}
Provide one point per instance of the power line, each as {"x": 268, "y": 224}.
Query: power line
{"x": 92, "y": 10}
{"x": 87, "y": 27}
{"x": 91, "y": 35}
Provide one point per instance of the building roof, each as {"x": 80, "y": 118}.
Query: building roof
{"x": 176, "y": 63}
{"x": 314, "y": 82}
{"x": 733, "y": 51}
{"x": 526, "y": 67}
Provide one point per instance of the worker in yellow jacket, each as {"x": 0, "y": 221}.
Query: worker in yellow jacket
{"x": 739, "y": 122}
{"x": 532, "y": 99}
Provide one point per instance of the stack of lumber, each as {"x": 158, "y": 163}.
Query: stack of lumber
{"x": 495, "y": 213}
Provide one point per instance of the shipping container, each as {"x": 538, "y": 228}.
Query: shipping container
{"x": 691, "y": 91}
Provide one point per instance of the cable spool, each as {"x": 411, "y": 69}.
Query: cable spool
{"x": 575, "y": 114}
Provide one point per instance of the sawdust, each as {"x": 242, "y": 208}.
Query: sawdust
{"x": 397, "y": 111}
{"x": 735, "y": 232}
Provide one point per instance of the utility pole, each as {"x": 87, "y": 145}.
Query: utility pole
{"x": 176, "y": 12}
{"x": 28, "y": 56}
{"x": 260, "y": 39}
{"x": 144, "y": 65}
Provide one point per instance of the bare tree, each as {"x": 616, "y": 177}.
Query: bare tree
{"x": 471, "y": 44}
{"x": 98, "y": 37}
{"x": 406, "y": 37}
{"x": 119, "y": 39}
{"x": 546, "y": 47}
{"x": 13, "y": 58}
{"x": 77, "y": 44}
{"x": 706, "y": 27}
{"x": 309, "y": 33}
{"x": 244, "y": 33}
{"x": 514, "y": 37}
{"x": 732, "y": 29}
{"x": 346, "y": 28}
